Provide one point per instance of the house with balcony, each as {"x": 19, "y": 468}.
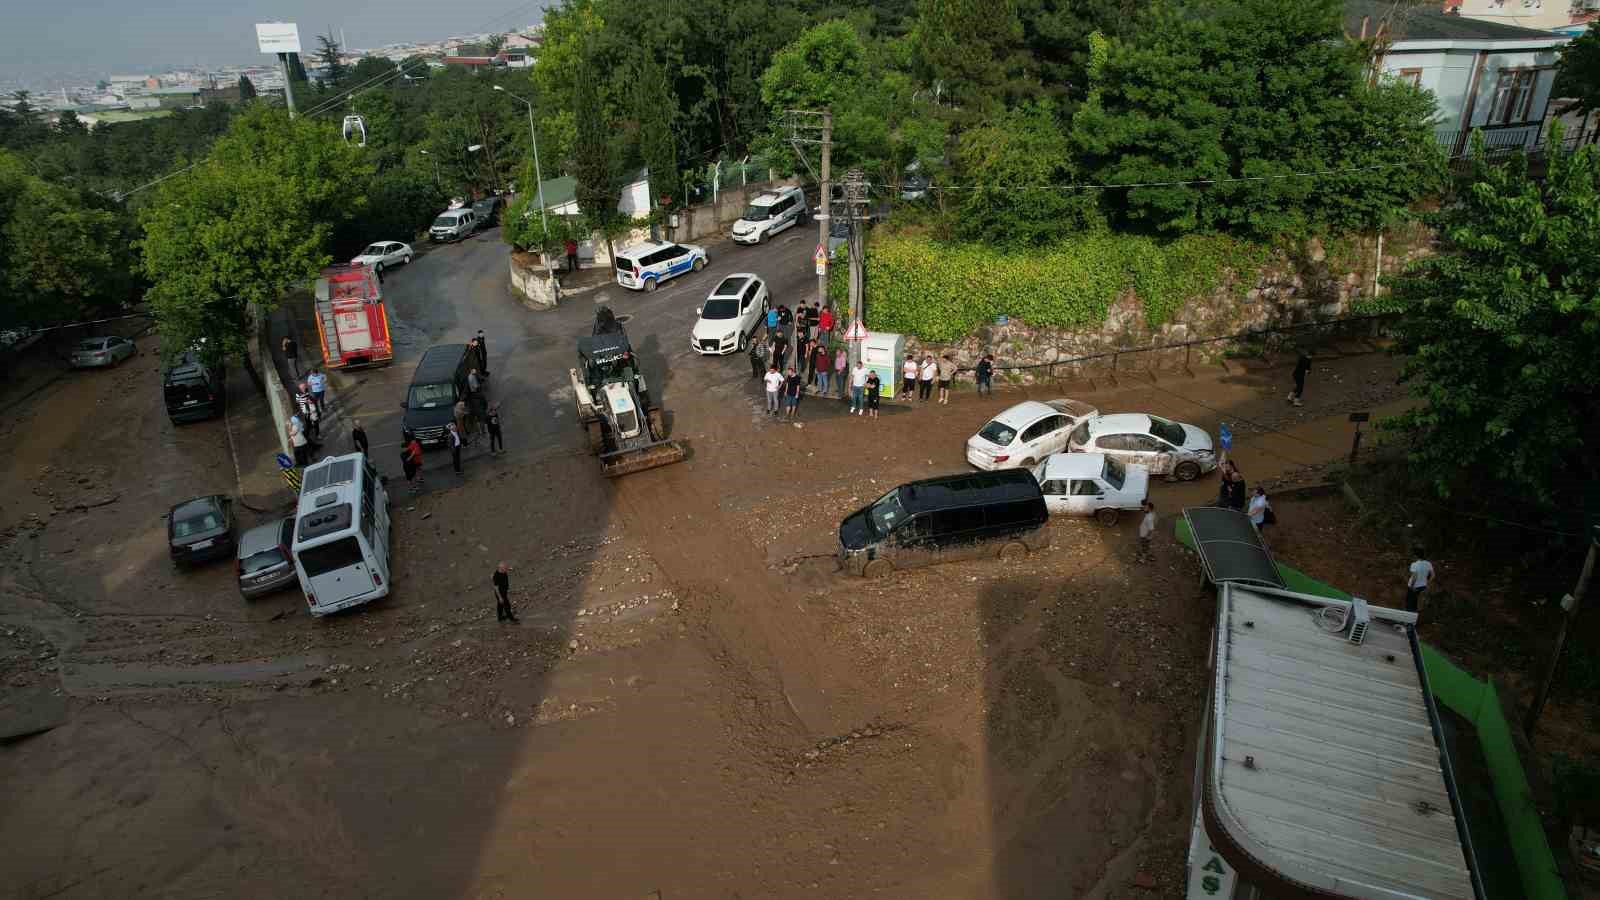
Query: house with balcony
{"x": 1484, "y": 74}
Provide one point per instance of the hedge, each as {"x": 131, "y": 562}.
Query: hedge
{"x": 943, "y": 291}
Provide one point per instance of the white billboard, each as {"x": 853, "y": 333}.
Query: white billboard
{"x": 278, "y": 37}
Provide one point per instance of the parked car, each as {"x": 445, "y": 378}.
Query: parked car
{"x": 943, "y": 519}
{"x": 1026, "y": 433}
{"x": 645, "y": 266}
{"x": 1091, "y": 484}
{"x": 1160, "y": 445}
{"x": 263, "y": 562}
{"x": 193, "y": 390}
{"x": 487, "y": 211}
{"x": 730, "y": 316}
{"x": 453, "y": 225}
{"x": 770, "y": 213}
{"x": 383, "y": 254}
{"x": 95, "y": 352}
{"x": 201, "y": 529}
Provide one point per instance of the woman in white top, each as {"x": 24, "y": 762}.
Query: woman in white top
{"x": 930, "y": 370}
{"x": 908, "y": 373}
{"x": 1260, "y": 509}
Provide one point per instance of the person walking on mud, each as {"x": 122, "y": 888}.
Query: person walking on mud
{"x": 1302, "y": 367}
{"x": 411, "y": 459}
{"x": 774, "y": 383}
{"x": 502, "y": 594}
{"x": 491, "y": 421}
{"x": 453, "y": 438}
{"x": 1147, "y": 532}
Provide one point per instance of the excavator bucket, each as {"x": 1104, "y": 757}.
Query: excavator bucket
{"x": 637, "y": 459}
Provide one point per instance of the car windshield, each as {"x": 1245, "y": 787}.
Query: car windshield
{"x": 997, "y": 432}
{"x": 1171, "y": 432}
{"x": 1114, "y": 473}
{"x": 887, "y": 513}
{"x": 720, "y": 308}
{"x": 198, "y": 524}
{"x": 257, "y": 562}
{"x": 754, "y": 213}
{"x": 430, "y": 396}
{"x": 378, "y": 249}
{"x": 445, "y": 222}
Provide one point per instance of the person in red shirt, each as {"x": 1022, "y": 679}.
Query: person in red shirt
{"x": 571, "y": 249}
{"x": 825, "y": 320}
{"x": 412, "y": 458}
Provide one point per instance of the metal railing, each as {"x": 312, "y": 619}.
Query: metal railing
{"x": 1504, "y": 140}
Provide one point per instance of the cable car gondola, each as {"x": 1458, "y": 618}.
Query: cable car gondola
{"x": 355, "y": 127}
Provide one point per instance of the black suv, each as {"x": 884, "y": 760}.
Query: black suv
{"x": 193, "y": 390}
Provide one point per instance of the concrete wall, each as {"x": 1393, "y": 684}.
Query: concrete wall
{"x": 707, "y": 219}
{"x": 532, "y": 284}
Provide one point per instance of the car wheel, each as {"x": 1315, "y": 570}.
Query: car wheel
{"x": 878, "y": 568}
{"x": 1187, "y": 471}
{"x": 377, "y": 266}
{"x": 764, "y": 236}
{"x": 744, "y": 342}
{"x": 650, "y": 285}
{"x": 597, "y": 441}
{"x": 1014, "y": 550}
{"x": 1107, "y": 516}
{"x": 700, "y": 264}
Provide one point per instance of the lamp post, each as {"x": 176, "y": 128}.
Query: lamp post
{"x": 538, "y": 177}
{"x": 436, "y": 181}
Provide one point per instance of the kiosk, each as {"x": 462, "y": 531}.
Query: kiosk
{"x": 884, "y": 354}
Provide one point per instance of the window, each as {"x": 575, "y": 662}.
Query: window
{"x": 1513, "y": 96}
{"x": 1412, "y": 77}
{"x": 1143, "y": 443}
{"x": 1015, "y": 513}
{"x": 1114, "y": 442}
{"x": 1039, "y": 428}
{"x": 330, "y": 557}
{"x": 1055, "y": 487}
{"x": 957, "y": 521}
{"x": 998, "y": 433}
{"x": 1114, "y": 473}
{"x": 1085, "y": 488}
{"x": 1080, "y": 435}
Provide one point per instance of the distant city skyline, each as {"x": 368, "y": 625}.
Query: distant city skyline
{"x": 45, "y": 44}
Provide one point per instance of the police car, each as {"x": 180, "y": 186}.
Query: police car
{"x": 645, "y": 266}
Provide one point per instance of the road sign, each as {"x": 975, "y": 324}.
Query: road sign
{"x": 1225, "y": 436}
{"x": 821, "y": 259}
{"x": 1360, "y": 417}
{"x": 856, "y": 331}
{"x": 278, "y": 37}
{"x": 284, "y": 462}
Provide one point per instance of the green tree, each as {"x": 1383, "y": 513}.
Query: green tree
{"x": 1501, "y": 333}
{"x": 1056, "y": 33}
{"x": 333, "y": 68}
{"x": 973, "y": 50}
{"x": 1578, "y": 77}
{"x": 1017, "y": 164}
{"x": 251, "y": 222}
{"x": 594, "y": 160}
{"x": 494, "y": 45}
{"x": 247, "y": 88}
{"x": 655, "y": 108}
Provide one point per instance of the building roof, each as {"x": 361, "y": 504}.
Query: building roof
{"x": 564, "y": 190}
{"x": 1428, "y": 23}
{"x": 1074, "y": 465}
{"x": 1325, "y": 776}
{"x": 1230, "y": 548}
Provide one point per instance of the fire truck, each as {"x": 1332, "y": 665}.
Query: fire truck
{"x": 350, "y": 318}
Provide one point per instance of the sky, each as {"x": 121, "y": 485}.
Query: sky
{"x": 42, "y": 42}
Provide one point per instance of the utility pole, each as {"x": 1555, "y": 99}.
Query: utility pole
{"x": 1570, "y": 604}
{"x": 816, "y": 127}
{"x": 288, "y": 83}
{"x": 855, "y": 198}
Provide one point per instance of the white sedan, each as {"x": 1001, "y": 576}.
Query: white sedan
{"x": 1026, "y": 433}
{"x": 730, "y": 316}
{"x": 1091, "y": 484}
{"x": 1160, "y": 445}
{"x": 383, "y": 254}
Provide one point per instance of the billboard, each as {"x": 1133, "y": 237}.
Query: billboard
{"x": 278, "y": 37}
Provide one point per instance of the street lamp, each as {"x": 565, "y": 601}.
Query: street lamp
{"x": 436, "y": 182}
{"x": 538, "y": 176}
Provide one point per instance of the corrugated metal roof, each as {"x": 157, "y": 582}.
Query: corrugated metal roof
{"x": 1324, "y": 766}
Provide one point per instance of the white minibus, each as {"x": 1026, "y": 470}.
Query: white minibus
{"x": 341, "y": 534}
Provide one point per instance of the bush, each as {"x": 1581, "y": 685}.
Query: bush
{"x": 942, "y": 291}
{"x": 400, "y": 205}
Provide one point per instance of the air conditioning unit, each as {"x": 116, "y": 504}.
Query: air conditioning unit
{"x": 1360, "y": 619}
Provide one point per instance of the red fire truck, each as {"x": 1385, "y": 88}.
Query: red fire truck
{"x": 350, "y": 318}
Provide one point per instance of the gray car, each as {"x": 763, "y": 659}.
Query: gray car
{"x": 264, "y": 561}
{"x": 96, "y": 352}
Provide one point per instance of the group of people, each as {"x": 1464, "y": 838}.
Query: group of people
{"x": 1232, "y": 494}
{"x": 918, "y": 378}
{"x": 305, "y": 420}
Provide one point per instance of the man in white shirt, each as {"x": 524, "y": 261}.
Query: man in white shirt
{"x": 318, "y": 383}
{"x": 908, "y": 374}
{"x": 858, "y": 386}
{"x": 774, "y": 383}
{"x": 1147, "y": 531}
{"x": 1419, "y": 577}
{"x": 453, "y": 438}
{"x": 929, "y": 370}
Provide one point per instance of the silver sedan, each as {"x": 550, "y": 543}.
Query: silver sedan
{"x": 100, "y": 352}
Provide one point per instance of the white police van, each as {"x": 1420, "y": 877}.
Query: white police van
{"x": 645, "y": 266}
{"x": 341, "y": 534}
{"x": 769, "y": 214}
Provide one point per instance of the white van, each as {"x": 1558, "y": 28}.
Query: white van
{"x": 769, "y": 214}
{"x": 454, "y": 224}
{"x": 341, "y": 534}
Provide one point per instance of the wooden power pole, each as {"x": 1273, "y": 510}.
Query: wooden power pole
{"x": 1570, "y": 604}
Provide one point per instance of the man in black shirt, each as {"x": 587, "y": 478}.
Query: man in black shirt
{"x": 358, "y": 436}
{"x": 502, "y": 594}
{"x": 497, "y": 444}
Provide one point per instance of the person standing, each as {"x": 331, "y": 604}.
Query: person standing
{"x": 985, "y": 375}
{"x": 459, "y": 413}
{"x": 774, "y": 383}
{"x": 475, "y": 398}
{"x": 825, "y": 321}
{"x": 1236, "y": 491}
{"x": 874, "y": 391}
{"x": 358, "y": 437}
{"x": 497, "y": 442}
{"x": 822, "y": 361}
{"x": 772, "y": 322}
{"x": 502, "y": 593}
{"x": 813, "y": 318}
{"x": 304, "y": 405}
{"x": 947, "y": 374}
{"x": 780, "y": 349}
{"x": 1302, "y": 366}
{"x": 318, "y": 383}
{"x": 802, "y": 350}
{"x": 291, "y": 356}
{"x": 412, "y": 460}
{"x": 758, "y": 365}
{"x": 1225, "y": 482}
{"x": 483, "y": 354}
{"x": 297, "y": 440}
{"x": 791, "y": 393}
{"x": 858, "y": 387}
{"x": 929, "y": 370}
{"x": 908, "y": 374}
{"x": 1147, "y": 531}
{"x": 571, "y": 249}
{"x": 453, "y": 437}
{"x": 1419, "y": 577}
{"x": 841, "y": 363}
{"x": 1260, "y": 511}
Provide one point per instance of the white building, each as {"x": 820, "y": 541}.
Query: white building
{"x": 1484, "y": 74}
{"x": 1544, "y": 15}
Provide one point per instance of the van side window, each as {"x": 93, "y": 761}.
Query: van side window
{"x": 914, "y": 528}
{"x": 1086, "y": 488}
{"x": 1019, "y": 512}
{"x": 957, "y": 521}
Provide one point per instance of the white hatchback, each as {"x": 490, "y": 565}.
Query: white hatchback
{"x": 1026, "y": 433}
{"x": 733, "y": 312}
{"x": 1091, "y": 484}
{"x": 1160, "y": 445}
